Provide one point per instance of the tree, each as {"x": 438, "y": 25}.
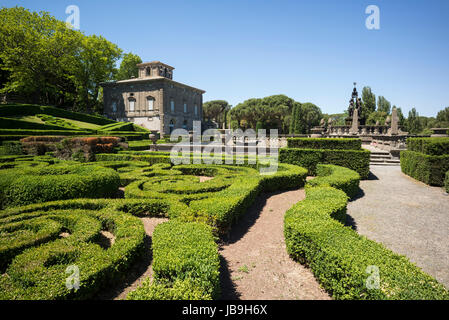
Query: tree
{"x": 38, "y": 51}
{"x": 216, "y": 110}
{"x": 376, "y": 116}
{"x": 49, "y": 63}
{"x": 369, "y": 103}
{"x": 95, "y": 64}
{"x": 443, "y": 115}
{"x": 383, "y": 105}
{"x": 311, "y": 116}
{"x": 128, "y": 67}
{"x": 413, "y": 124}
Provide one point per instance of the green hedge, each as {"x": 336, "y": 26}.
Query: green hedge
{"x": 186, "y": 264}
{"x": 31, "y": 110}
{"x": 429, "y": 146}
{"x": 57, "y": 121}
{"x": 29, "y": 132}
{"x": 337, "y": 177}
{"x": 36, "y": 256}
{"x": 428, "y": 169}
{"x": 341, "y": 259}
{"x": 325, "y": 143}
{"x": 357, "y": 160}
{"x": 21, "y": 186}
{"x": 118, "y": 126}
{"x": 139, "y": 145}
{"x": 6, "y": 123}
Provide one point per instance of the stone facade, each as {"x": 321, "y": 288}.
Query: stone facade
{"x": 153, "y": 100}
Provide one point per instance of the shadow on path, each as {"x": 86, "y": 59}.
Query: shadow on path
{"x": 228, "y": 290}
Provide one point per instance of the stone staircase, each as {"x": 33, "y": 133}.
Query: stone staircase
{"x": 383, "y": 158}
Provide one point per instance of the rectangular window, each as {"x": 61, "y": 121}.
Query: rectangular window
{"x": 131, "y": 105}
{"x": 185, "y": 107}
{"x": 196, "y": 110}
{"x": 150, "y": 104}
{"x": 172, "y": 105}
{"x": 114, "y": 107}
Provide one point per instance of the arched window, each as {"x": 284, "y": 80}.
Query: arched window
{"x": 114, "y": 106}
{"x": 185, "y": 107}
{"x": 150, "y": 103}
{"x": 148, "y": 71}
{"x": 132, "y": 104}
{"x": 171, "y": 126}
{"x": 172, "y": 105}
{"x": 196, "y": 110}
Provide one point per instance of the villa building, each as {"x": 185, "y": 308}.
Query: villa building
{"x": 153, "y": 100}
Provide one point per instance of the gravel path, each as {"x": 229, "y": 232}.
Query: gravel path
{"x": 407, "y": 216}
{"x": 255, "y": 263}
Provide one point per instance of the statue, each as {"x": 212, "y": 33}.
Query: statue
{"x": 322, "y": 123}
{"x": 351, "y": 108}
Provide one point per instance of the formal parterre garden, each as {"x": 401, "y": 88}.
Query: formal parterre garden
{"x": 57, "y": 208}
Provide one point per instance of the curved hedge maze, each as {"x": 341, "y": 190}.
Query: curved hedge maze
{"x": 63, "y": 217}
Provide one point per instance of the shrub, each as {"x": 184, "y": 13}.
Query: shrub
{"x": 325, "y": 143}
{"x": 337, "y": 177}
{"x": 21, "y": 187}
{"x": 339, "y": 257}
{"x": 118, "y": 126}
{"x": 57, "y": 121}
{"x": 31, "y": 110}
{"x": 357, "y": 160}
{"x": 139, "y": 145}
{"x": 6, "y": 123}
{"x": 186, "y": 263}
{"x": 36, "y": 256}
{"x": 12, "y": 147}
{"x": 428, "y": 169}
{"x": 430, "y": 146}
{"x": 28, "y": 132}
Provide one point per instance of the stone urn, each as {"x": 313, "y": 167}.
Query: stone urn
{"x": 154, "y": 137}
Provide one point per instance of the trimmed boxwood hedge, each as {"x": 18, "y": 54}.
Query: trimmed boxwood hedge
{"x": 325, "y": 143}
{"x": 430, "y": 146}
{"x": 337, "y": 177}
{"x": 36, "y": 256}
{"x": 30, "y": 132}
{"x": 21, "y": 186}
{"x": 357, "y": 160}
{"x": 186, "y": 264}
{"x": 7, "y": 123}
{"x": 428, "y": 169}
{"x": 340, "y": 258}
{"x": 118, "y": 126}
{"x": 31, "y": 110}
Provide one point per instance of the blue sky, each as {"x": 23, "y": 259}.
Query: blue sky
{"x": 309, "y": 50}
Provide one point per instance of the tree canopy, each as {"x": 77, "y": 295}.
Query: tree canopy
{"x": 128, "y": 67}
{"x": 276, "y": 112}
{"x": 46, "y": 62}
